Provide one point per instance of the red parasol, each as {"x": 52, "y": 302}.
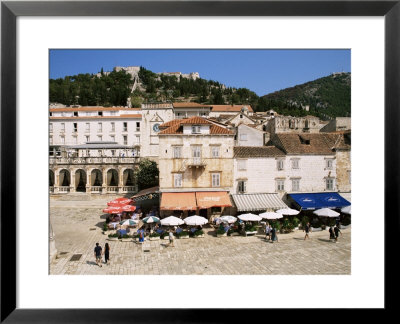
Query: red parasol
{"x": 128, "y": 208}
{"x": 113, "y": 210}
{"x": 119, "y": 201}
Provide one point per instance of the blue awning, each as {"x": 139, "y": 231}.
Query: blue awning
{"x": 310, "y": 201}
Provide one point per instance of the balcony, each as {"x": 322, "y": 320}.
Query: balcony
{"x": 196, "y": 162}
{"x": 93, "y": 160}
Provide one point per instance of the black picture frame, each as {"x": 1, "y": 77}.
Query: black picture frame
{"x": 10, "y": 10}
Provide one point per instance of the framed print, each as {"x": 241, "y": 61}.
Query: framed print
{"x": 33, "y": 32}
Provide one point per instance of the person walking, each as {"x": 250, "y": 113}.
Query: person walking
{"x": 107, "y": 253}
{"x": 307, "y": 229}
{"x": 274, "y": 237}
{"x": 331, "y": 233}
{"x": 267, "y": 232}
{"x": 171, "y": 238}
{"x": 141, "y": 236}
{"x": 97, "y": 254}
{"x": 337, "y": 231}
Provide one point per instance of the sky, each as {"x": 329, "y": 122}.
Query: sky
{"x": 262, "y": 71}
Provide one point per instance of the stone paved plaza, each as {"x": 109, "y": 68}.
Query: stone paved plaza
{"x": 78, "y": 226}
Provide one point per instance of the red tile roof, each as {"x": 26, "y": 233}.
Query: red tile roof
{"x": 303, "y": 143}
{"x": 175, "y": 127}
{"x": 93, "y": 109}
{"x": 189, "y": 105}
{"x": 256, "y": 151}
{"x": 100, "y": 117}
{"x": 230, "y": 108}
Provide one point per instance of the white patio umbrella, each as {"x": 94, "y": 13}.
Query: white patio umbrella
{"x": 326, "y": 212}
{"x": 150, "y": 219}
{"x": 228, "y": 219}
{"x": 195, "y": 220}
{"x": 129, "y": 222}
{"x": 346, "y": 210}
{"x": 250, "y": 217}
{"x": 271, "y": 215}
{"x": 171, "y": 221}
{"x": 288, "y": 211}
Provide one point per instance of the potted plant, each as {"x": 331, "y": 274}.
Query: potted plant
{"x": 221, "y": 232}
{"x": 164, "y": 236}
{"x": 183, "y": 235}
{"x": 250, "y": 229}
{"x": 199, "y": 233}
{"x": 287, "y": 226}
{"x": 126, "y": 238}
{"x": 105, "y": 228}
{"x": 113, "y": 237}
{"x": 154, "y": 236}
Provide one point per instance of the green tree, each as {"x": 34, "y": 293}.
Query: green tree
{"x": 147, "y": 174}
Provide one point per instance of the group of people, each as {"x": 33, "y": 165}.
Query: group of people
{"x": 270, "y": 233}
{"x": 98, "y": 253}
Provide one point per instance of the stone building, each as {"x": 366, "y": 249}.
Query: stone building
{"x": 338, "y": 124}
{"x": 190, "y": 109}
{"x": 250, "y": 135}
{"x": 288, "y": 124}
{"x": 95, "y": 168}
{"x": 217, "y": 110}
{"x": 73, "y": 126}
{"x": 196, "y": 167}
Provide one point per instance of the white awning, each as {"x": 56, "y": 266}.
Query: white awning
{"x": 260, "y": 201}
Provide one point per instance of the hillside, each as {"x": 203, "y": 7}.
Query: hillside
{"x": 327, "y": 97}
{"x": 119, "y": 88}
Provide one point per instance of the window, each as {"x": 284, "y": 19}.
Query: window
{"x": 51, "y": 114}
{"x": 241, "y": 186}
{"x": 125, "y": 127}
{"x": 75, "y": 127}
{"x": 100, "y": 113}
{"x": 329, "y": 183}
{"x": 243, "y": 137}
{"x": 100, "y": 127}
{"x": 242, "y": 164}
{"x": 87, "y": 128}
{"x": 51, "y": 127}
{"x": 125, "y": 140}
{"x": 112, "y": 138}
{"x": 295, "y": 184}
{"x": 112, "y": 152}
{"x": 63, "y": 127}
{"x": 100, "y": 138}
{"x": 295, "y": 163}
{"x": 196, "y": 129}
{"x": 138, "y": 126}
{"x": 137, "y": 139}
{"x": 280, "y": 164}
{"x": 62, "y": 139}
{"x": 241, "y": 116}
{"x": 75, "y": 114}
{"x": 196, "y": 154}
{"x": 215, "y": 179}
{"x": 75, "y": 139}
{"x": 215, "y": 151}
{"x": 113, "y": 113}
{"x": 329, "y": 164}
{"x": 113, "y": 127}
{"x": 178, "y": 180}
{"x": 177, "y": 150}
{"x": 99, "y": 152}
{"x": 280, "y": 185}
{"x": 87, "y": 138}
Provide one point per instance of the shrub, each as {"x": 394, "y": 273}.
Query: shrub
{"x": 199, "y": 232}
{"x": 304, "y": 221}
{"x": 164, "y": 234}
{"x": 154, "y": 234}
{"x": 295, "y": 221}
{"x": 346, "y": 220}
{"x": 250, "y": 228}
{"x": 113, "y": 235}
{"x": 275, "y": 224}
{"x": 220, "y": 231}
{"x": 126, "y": 236}
{"x": 316, "y": 223}
{"x": 287, "y": 226}
{"x": 105, "y": 227}
{"x": 183, "y": 233}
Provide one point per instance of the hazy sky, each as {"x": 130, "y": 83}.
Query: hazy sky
{"x": 262, "y": 71}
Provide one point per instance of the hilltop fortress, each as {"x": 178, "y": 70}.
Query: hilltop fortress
{"x": 134, "y": 70}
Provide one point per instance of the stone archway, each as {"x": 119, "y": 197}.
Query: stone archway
{"x": 64, "y": 178}
{"x": 51, "y": 178}
{"x": 96, "y": 178}
{"x": 80, "y": 180}
{"x": 112, "y": 178}
{"x": 128, "y": 178}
